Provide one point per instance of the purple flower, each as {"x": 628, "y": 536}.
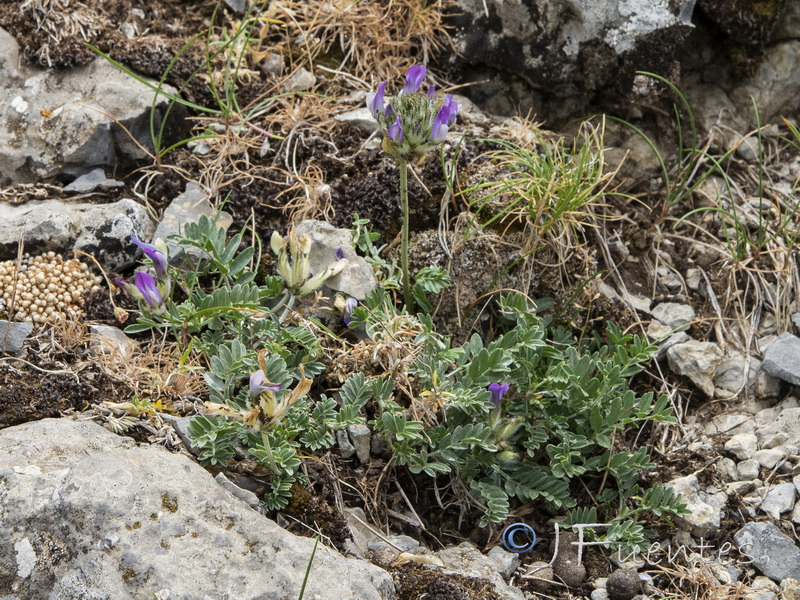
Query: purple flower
{"x": 259, "y": 383}
{"x": 349, "y": 306}
{"x": 389, "y": 111}
{"x": 375, "y": 100}
{"x": 439, "y": 129}
{"x": 396, "y": 132}
{"x": 157, "y": 256}
{"x": 452, "y": 107}
{"x": 414, "y": 79}
{"x": 148, "y": 289}
{"x": 498, "y": 390}
{"x": 339, "y": 254}
{"x": 431, "y": 91}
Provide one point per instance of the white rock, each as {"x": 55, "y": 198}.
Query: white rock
{"x": 101, "y": 230}
{"x": 357, "y": 279}
{"x": 730, "y": 424}
{"x": 177, "y": 529}
{"x": 360, "y": 118}
{"x": 727, "y": 469}
{"x": 769, "y": 458}
{"x": 779, "y": 499}
{"x": 704, "y": 509}
{"x": 71, "y": 120}
{"x": 742, "y": 445}
{"x": 748, "y": 470}
{"x": 698, "y": 361}
{"x": 674, "y": 315}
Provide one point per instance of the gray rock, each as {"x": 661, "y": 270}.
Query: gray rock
{"x": 769, "y": 458}
{"x": 357, "y": 279}
{"x": 402, "y": 543}
{"x": 571, "y": 47}
{"x": 748, "y": 470}
{"x": 698, "y": 361}
{"x": 188, "y": 207}
{"x": 599, "y": 594}
{"x": 731, "y": 424}
{"x": 181, "y": 427}
{"x": 705, "y": 510}
{"x": 780, "y": 359}
{"x": 108, "y": 519}
{"x": 742, "y": 445}
{"x": 507, "y": 562}
{"x": 93, "y": 180}
{"x": 301, "y": 80}
{"x": 245, "y": 495}
{"x": 363, "y": 534}
{"x": 665, "y": 338}
{"x": 796, "y": 514}
{"x": 360, "y": 118}
{"x": 773, "y": 553}
{"x": 346, "y": 448}
{"x": 674, "y": 315}
{"x": 110, "y": 341}
{"x": 694, "y": 277}
{"x": 237, "y": 6}
{"x": 727, "y": 469}
{"x": 466, "y": 559}
{"x": 779, "y": 499}
{"x": 102, "y": 230}
{"x": 741, "y": 488}
{"x": 734, "y": 375}
{"x": 13, "y": 335}
{"x": 70, "y": 121}
{"x": 360, "y": 437}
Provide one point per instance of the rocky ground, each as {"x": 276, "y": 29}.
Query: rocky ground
{"x": 697, "y": 253}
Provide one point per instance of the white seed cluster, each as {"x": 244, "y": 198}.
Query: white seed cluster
{"x": 46, "y": 289}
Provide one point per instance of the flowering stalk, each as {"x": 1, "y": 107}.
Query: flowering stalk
{"x": 407, "y": 296}
{"x": 412, "y": 123}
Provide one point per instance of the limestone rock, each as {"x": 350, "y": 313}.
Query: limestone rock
{"x": 674, "y": 315}
{"x": 779, "y": 499}
{"x": 742, "y": 445}
{"x": 698, "y": 361}
{"x": 465, "y": 559}
{"x": 357, "y": 279}
{"x": 773, "y": 553}
{"x": 88, "y": 514}
{"x": 91, "y": 181}
{"x": 704, "y": 509}
{"x": 70, "y": 121}
{"x": 102, "y": 230}
{"x": 13, "y": 335}
{"x": 780, "y": 359}
{"x": 110, "y": 341}
{"x": 565, "y": 46}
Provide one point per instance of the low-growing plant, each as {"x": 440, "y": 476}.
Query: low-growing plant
{"x": 528, "y": 414}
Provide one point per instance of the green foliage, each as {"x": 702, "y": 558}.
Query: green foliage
{"x": 562, "y": 420}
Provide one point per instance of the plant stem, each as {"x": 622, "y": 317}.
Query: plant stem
{"x": 409, "y": 299}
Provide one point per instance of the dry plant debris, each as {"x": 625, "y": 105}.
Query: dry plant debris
{"x": 44, "y": 288}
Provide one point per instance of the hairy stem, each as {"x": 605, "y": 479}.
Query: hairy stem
{"x": 409, "y": 299}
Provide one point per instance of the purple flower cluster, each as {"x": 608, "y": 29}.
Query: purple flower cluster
{"x": 412, "y": 122}
{"x": 151, "y": 290}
